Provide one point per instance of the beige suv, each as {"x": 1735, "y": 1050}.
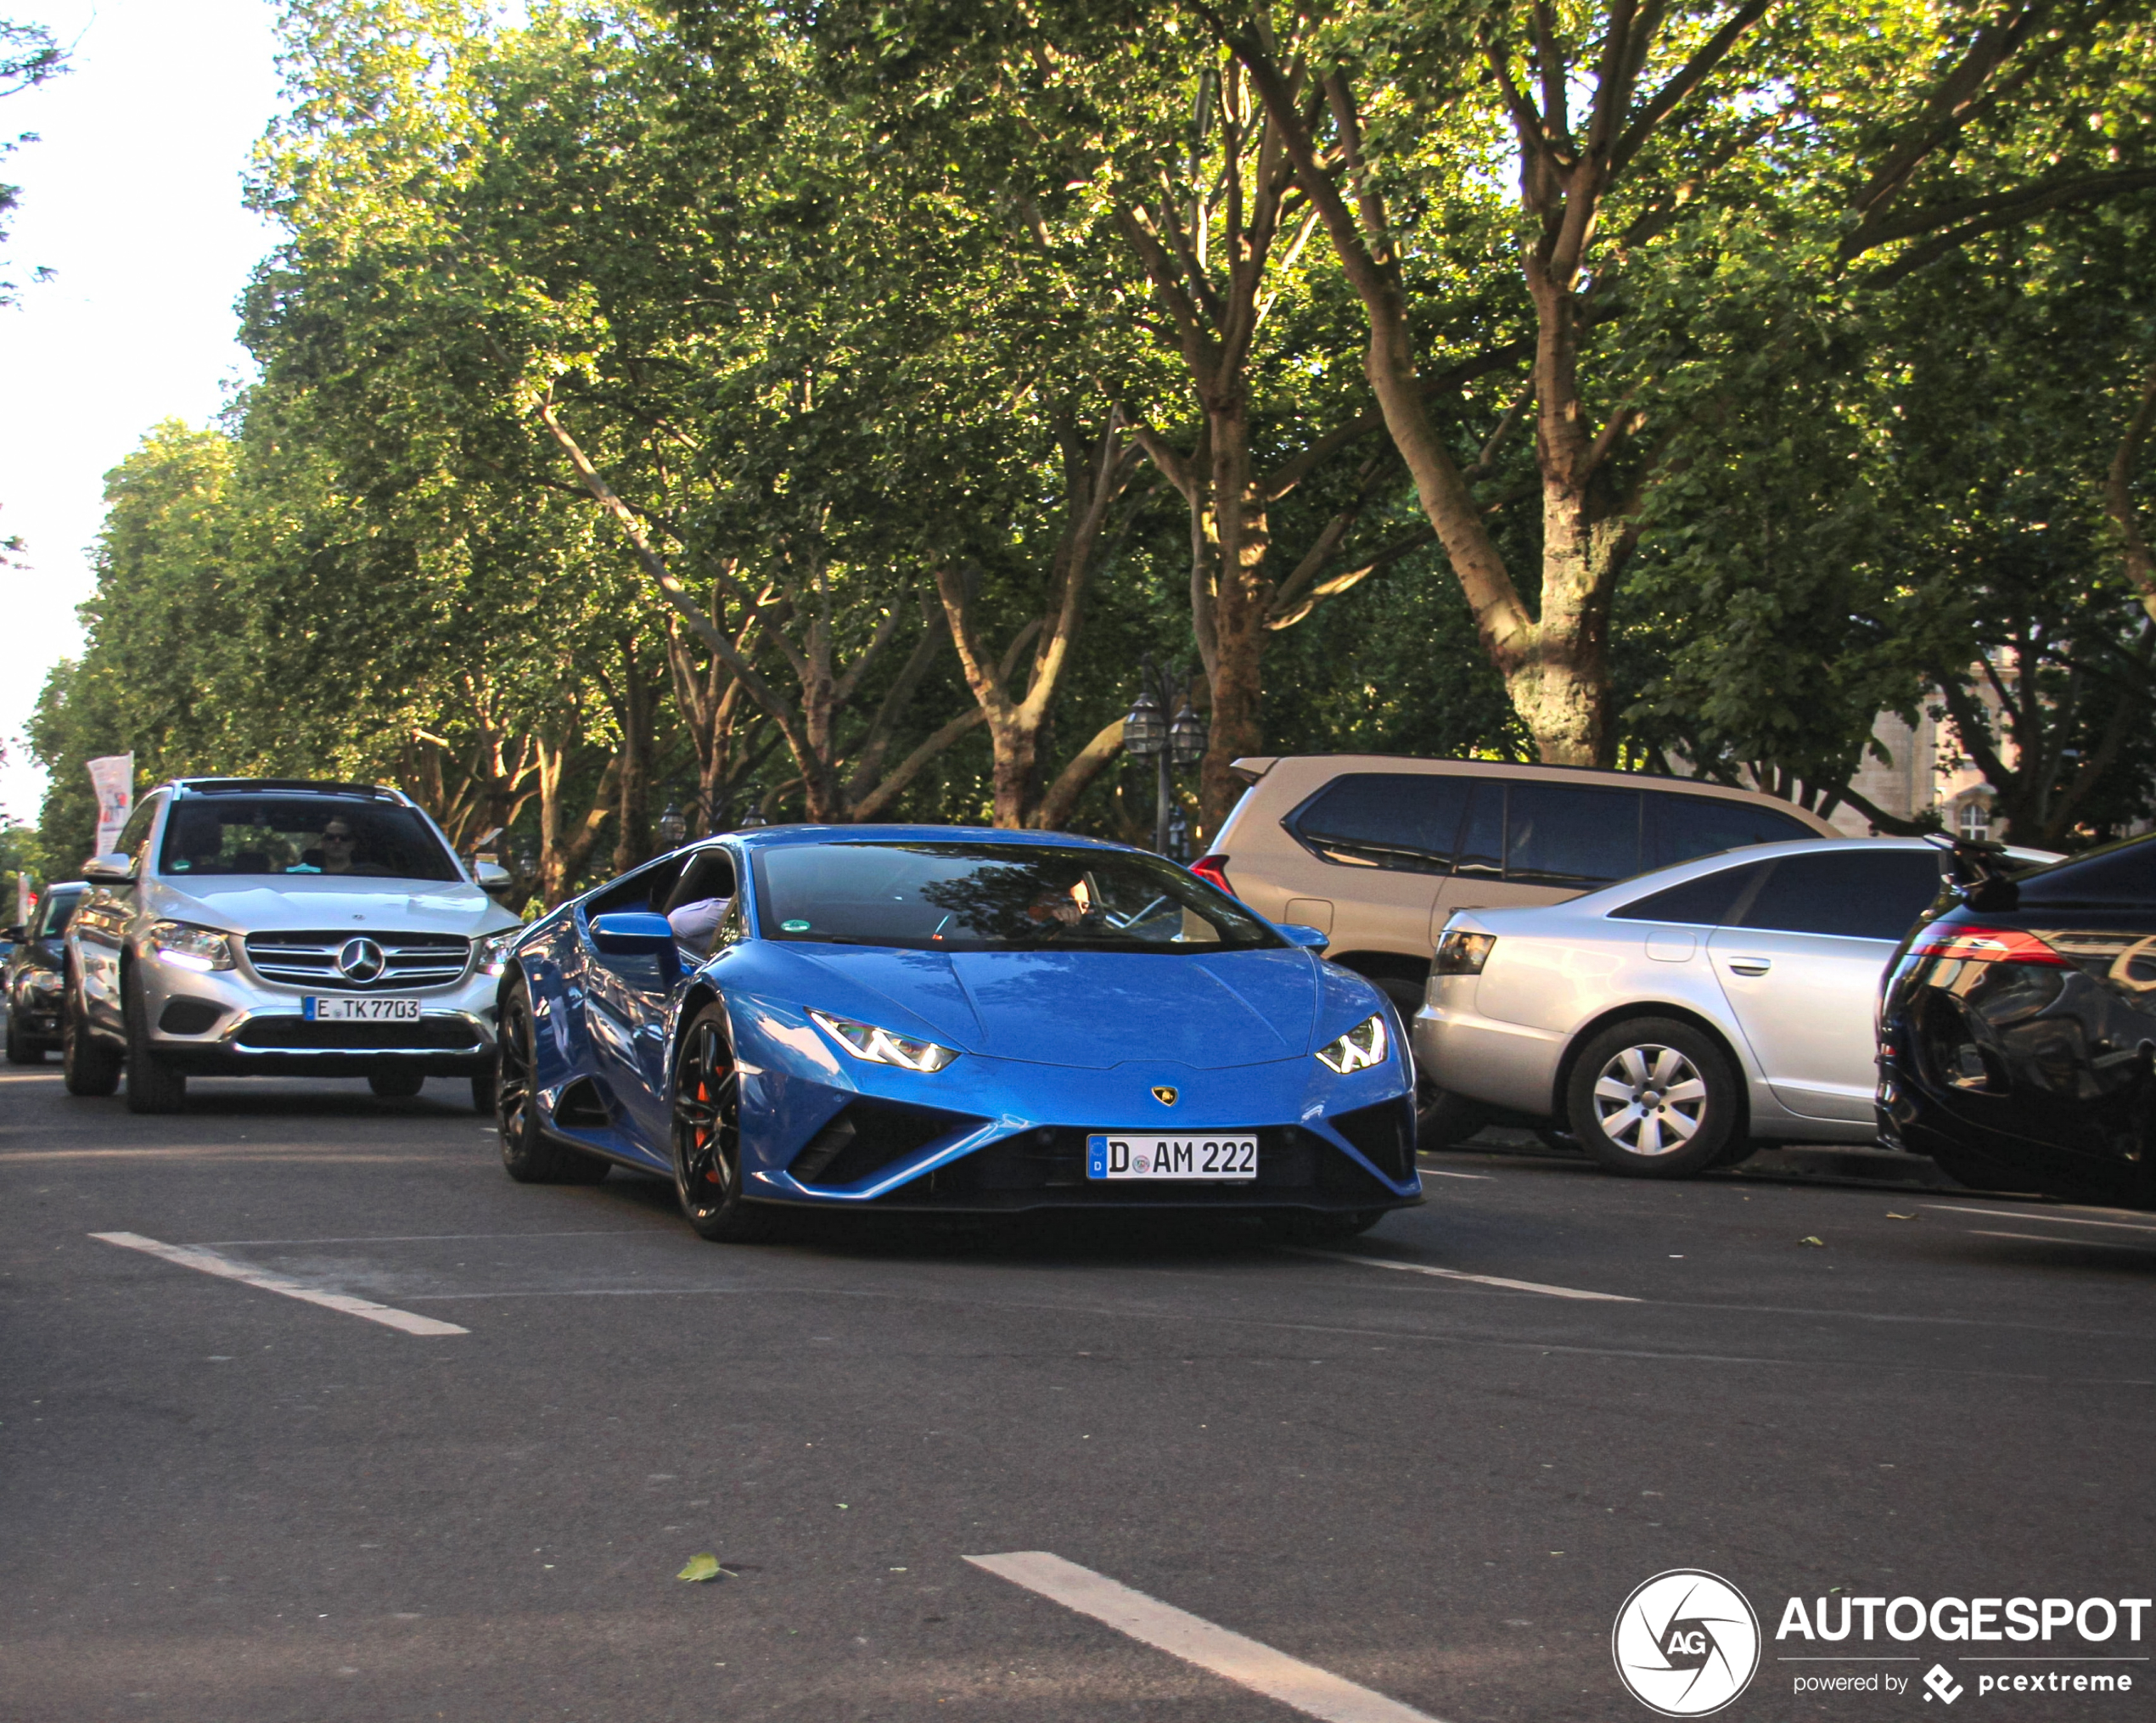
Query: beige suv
{"x": 1377, "y": 850}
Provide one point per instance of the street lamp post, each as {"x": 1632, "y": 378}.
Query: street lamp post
{"x": 672, "y": 828}
{"x": 1172, "y": 744}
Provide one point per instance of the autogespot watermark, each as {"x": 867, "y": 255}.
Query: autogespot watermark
{"x": 1686, "y": 1643}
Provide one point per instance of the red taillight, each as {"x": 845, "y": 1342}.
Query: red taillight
{"x": 1213, "y": 870}
{"x": 1971, "y": 944}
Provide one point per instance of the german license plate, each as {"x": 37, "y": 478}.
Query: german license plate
{"x": 1147, "y": 1157}
{"x": 349, "y": 1010}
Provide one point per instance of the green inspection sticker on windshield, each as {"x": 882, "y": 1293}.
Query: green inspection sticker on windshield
{"x": 793, "y": 927}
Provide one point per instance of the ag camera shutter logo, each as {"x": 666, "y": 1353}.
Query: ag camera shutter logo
{"x": 1686, "y": 1643}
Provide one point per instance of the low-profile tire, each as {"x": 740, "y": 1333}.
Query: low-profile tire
{"x": 1653, "y": 1097}
{"x": 19, "y": 1050}
{"x": 528, "y": 1155}
{"x": 483, "y": 1092}
{"x": 154, "y": 1083}
{"x": 707, "y": 1136}
{"x": 1442, "y": 1118}
{"x": 1306, "y": 1228}
{"x": 396, "y": 1085}
{"x": 88, "y": 1066}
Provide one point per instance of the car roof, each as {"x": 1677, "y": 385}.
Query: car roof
{"x": 786, "y": 837}
{"x": 282, "y": 786}
{"x": 1619, "y": 892}
{"x": 1254, "y": 769}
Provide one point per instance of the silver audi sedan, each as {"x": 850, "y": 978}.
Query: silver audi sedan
{"x": 278, "y": 926}
{"x": 1674, "y": 1021}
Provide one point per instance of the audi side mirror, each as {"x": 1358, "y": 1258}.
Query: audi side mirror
{"x": 110, "y": 868}
{"x": 1309, "y": 938}
{"x": 492, "y": 876}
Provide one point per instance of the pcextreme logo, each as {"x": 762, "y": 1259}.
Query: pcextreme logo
{"x": 1686, "y": 1643}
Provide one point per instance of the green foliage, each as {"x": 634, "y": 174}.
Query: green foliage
{"x": 825, "y": 298}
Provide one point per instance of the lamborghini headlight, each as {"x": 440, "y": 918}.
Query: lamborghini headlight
{"x": 187, "y": 946}
{"x": 1362, "y": 1047}
{"x": 879, "y": 1047}
{"x": 494, "y": 951}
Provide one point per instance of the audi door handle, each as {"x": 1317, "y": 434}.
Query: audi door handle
{"x": 1751, "y": 966}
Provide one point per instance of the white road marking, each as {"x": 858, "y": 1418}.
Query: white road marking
{"x": 2046, "y": 1217}
{"x": 2058, "y": 1238}
{"x": 1434, "y": 1172}
{"x": 1524, "y": 1286}
{"x": 1314, "y": 1691}
{"x": 209, "y": 1262}
{"x": 445, "y": 1237}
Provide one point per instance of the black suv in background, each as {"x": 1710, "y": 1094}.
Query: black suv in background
{"x": 2017, "y": 1039}
{"x": 34, "y": 975}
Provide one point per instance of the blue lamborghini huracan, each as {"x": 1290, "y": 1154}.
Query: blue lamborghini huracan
{"x": 931, "y": 1018}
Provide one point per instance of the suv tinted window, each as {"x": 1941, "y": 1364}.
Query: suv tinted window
{"x": 1404, "y": 821}
{"x": 1859, "y": 893}
{"x": 136, "y": 832}
{"x": 1710, "y": 901}
{"x": 1568, "y": 835}
{"x": 55, "y": 913}
{"x": 230, "y": 834}
{"x": 2123, "y": 873}
{"x": 1680, "y": 827}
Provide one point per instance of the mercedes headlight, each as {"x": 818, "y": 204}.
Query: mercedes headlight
{"x": 879, "y": 1047}
{"x": 494, "y": 951}
{"x": 187, "y": 946}
{"x": 1362, "y": 1047}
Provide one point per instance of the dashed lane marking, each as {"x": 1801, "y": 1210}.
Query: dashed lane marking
{"x": 1524, "y": 1286}
{"x": 209, "y": 1262}
{"x": 2064, "y": 1238}
{"x": 1308, "y": 1689}
{"x": 2044, "y": 1217}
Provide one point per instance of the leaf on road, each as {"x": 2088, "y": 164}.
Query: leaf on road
{"x": 1891, "y": 1215}
{"x": 1808, "y": 1239}
{"x": 703, "y": 1567}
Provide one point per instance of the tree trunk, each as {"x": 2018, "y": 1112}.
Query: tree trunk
{"x": 1241, "y": 599}
{"x": 565, "y": 843}
{"x": 632, "y": 705}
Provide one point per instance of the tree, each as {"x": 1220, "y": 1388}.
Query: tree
{"x": 1622, "y": 116}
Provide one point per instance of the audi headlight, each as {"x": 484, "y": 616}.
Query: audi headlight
{"x": 1362, "y": 1047}
{"x": 1463, "y": 953}
{"x": 187, "y": 946}
{"x": 494, "y": 951}
{"x": 879, "y": 1047}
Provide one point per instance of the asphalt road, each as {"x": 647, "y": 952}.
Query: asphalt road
{"x": 221, "y": 1502}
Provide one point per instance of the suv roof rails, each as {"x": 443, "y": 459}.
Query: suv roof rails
{"x": 305, "y": 786}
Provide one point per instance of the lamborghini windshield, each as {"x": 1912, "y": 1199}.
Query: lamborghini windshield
{"x": 995, "y": 897}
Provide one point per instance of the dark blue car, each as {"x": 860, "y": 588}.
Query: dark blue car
{"x": 932, "y": 1018}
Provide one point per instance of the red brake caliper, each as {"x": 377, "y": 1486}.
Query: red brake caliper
{"x": 703, "y": 1133}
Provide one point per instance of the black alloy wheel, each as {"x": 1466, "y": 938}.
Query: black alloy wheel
{"x": 707, "y": 1135}
{"x": 1653, "y": 1097}
{"x": 154, "y": 1083}
{"x": 528, "y": 1155}
{"x": 398, "y": 1084}
{"x": 88, "y": 1066}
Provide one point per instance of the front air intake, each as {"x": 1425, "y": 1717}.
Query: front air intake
{"x": 865, "y": 1136}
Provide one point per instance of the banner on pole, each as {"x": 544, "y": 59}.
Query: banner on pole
{"x": 25, "y": 901}
{"x": 113, "y": 777}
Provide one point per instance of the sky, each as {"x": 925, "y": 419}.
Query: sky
{"x": 133, "y": 198}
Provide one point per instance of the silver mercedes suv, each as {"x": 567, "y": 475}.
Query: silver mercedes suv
{"x": 271, "y": 926}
